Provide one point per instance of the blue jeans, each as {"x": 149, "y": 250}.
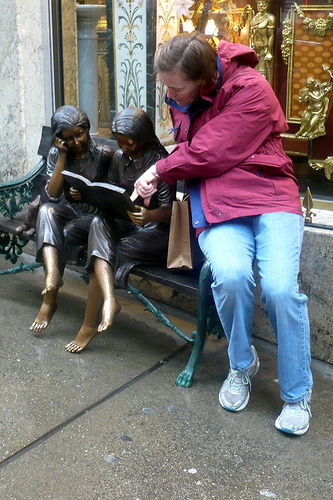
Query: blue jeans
{"x": 275, "y": 240}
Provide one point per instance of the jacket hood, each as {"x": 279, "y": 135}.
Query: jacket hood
{"x": 234, "y": 54}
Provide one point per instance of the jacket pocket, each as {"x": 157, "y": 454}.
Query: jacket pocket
{"x": 258, "y": 160}
{"x": 250, "y": 184}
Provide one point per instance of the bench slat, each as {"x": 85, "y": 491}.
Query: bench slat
{"x": 185, "y": 281}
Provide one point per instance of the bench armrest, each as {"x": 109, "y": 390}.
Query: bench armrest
{"x": 15, "y": 194}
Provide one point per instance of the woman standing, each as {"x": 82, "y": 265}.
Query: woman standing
{"x": 245, "y": 205}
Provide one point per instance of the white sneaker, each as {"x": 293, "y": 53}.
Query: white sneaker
{"x": 235, "y": 391}
{"x": 295, "y": 417}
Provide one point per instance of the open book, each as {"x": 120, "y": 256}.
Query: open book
{"x": 113, "y": 200}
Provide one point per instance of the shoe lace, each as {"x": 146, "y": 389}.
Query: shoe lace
{"x": 296, "y": 409}
{"x": 305, "y": 406}
{"x": 237, "y": 380}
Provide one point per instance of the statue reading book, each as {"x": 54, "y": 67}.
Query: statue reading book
{"x": 63, "y": 223}
{"x": 116, "y": 245}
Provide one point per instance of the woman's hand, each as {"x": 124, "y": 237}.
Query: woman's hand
{"x": 75, "y": 194}
{"x": 146, "y": 185}
{"x": 140, "y": 217}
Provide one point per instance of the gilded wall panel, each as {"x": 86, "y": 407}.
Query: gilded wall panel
{"x": 305, "y": 51}
{"x": 69, "y": 52}
{"x": 103, "y": 77}
{"x": 167, "y": 25}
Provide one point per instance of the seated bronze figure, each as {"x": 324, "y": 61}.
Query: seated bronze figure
{"x": 115, "y": 245}
{"x": 63, "y": 223}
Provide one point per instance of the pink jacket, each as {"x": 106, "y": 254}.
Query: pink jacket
{"x": 234, "y": 146}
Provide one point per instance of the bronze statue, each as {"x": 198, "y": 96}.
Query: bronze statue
{"x": 115, "y": 245}
{"x": 318, "y": 95}
{"x": 63, "y": 223}
{"x": 261, "y": 36}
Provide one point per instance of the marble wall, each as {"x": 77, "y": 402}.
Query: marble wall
{"x": 22, "y": 95}
{"x": 316, "y": 281}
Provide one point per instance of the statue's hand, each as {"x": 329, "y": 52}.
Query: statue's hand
{"x": 140, "y": 217}
{"x": 60, "y": 145}
{"x": 75, "y": 194}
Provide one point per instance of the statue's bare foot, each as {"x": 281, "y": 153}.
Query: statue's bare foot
{"x": 85, "y": 335}
{"x": 52, "y": 284}
{"x": 110, "y": 309}
{"x": 44, "y": 317}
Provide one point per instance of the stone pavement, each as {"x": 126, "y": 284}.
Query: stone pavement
{"x": 110, "y": 423}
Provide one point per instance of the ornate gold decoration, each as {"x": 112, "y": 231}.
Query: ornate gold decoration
{"x": 308, "y": 205}
{"x": 201, "y": 10}
{"x": 327, "y": 165}
{"x": 234, "y": 25}
{"x": 261, "y": 35}
{"x": 287, "y": 37}
{"x": 104, "y": 117}
{"x": 318, "y": 26}
{"x": 304, "y": 53}
{"x": 318, "y": 95}
{"x": 102, "y": 24}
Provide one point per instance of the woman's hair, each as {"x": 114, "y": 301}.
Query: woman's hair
{"x": 135, "y": 124}
{"x": 189, "y": 52}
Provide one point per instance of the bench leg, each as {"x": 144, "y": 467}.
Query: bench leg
{"x": 157, "y": 312}
{"x": 22, "y": 267}
{"x": 186, "y": 376}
